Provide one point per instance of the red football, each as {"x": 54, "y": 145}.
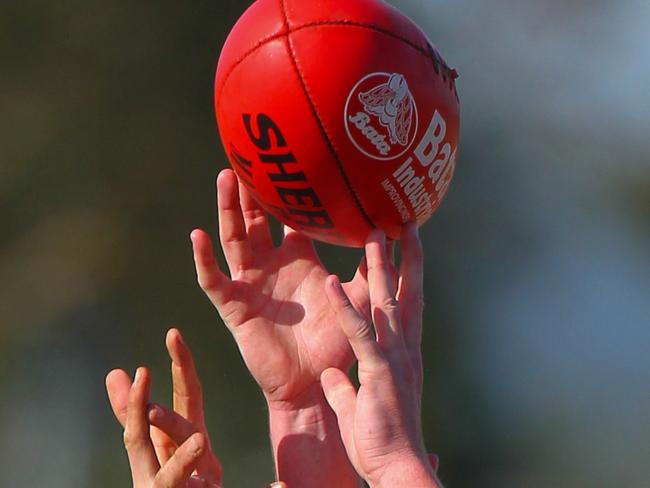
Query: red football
{"x": 338, "y": 115}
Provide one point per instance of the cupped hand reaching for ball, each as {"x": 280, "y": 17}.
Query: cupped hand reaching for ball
{"x": 273, "y": 302}
{"x": 274, "y": 305}
{"x": 381, "y": 422}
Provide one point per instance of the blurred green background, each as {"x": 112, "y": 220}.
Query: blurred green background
{"x": 538, "y": 269}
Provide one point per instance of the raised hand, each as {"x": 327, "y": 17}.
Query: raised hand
{"x": 273, "y": 303}
{"x": 380, "y": 423}
{"x": 165, "y": 447}
{"x": 275, "y": 307}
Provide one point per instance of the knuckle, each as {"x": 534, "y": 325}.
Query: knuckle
{"x": 127, "y": 438}
{"x": 131, "y": 441}
{"x": 206, "y": 283}
{"x": 378, "y": 264}
{"x": 390, "y": 304}
{"x": 346, "y": 305}
{"x": 123, "y": 412}
{"x": 363, "y": 330}
{"x": 254, "y": 214}
{"x": 234, "y": 238}
{"x": 382, "y": 367}
{"x": 231, "y": 314}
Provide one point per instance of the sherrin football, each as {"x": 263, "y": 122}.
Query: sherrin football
{"x": 339, "y": 116}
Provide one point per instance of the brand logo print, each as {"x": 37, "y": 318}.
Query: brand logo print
{"x": 381, "y": 117}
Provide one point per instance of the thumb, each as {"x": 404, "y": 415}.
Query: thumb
{"x": 342, "y": 398}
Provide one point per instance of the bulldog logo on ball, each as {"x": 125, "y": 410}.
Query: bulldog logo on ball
{"x": 381, "y": 116}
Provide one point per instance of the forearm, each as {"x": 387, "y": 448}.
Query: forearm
{"x": 307, "y": 445}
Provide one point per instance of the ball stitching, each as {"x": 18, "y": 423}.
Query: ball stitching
{"x": 321, "y": 125}
{"x": 428, "y": 53}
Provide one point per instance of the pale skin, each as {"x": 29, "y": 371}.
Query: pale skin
{"x": 273, "y": 302}
{"x": 167, "y": 448}
{"x": 380, "y": 423}
{"x": 275, "y": 305}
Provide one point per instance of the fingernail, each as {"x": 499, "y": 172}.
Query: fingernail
{"x": 156, "y": 413}
{"x": 277, "y": 484}
{"x": 138, "y": 376}
{"x": 194, "y": 446}
{"x": 337, "y": 283}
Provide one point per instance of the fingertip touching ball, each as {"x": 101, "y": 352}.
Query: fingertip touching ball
{"x": 339, "y": 116}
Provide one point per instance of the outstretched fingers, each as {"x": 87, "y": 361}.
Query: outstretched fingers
{"x": 384, "y": 305}
{"x": 212, "y": 281}
{"x": 177, "y": 427}
{"x": 188, "y": 394}
{"x": 178, "y": 470}
{"x": 411, "y": 288}
{"x": 140, "y": 450}
{"x": 356, "y": 328}
{"x": 188, "y": 404}
{"x": 232, "y": 228}
{"x": 118, "y": 386}
{"x": 255, "y": 221}
{"x": 342, "y": 398}
{"x": 181, "y": 431}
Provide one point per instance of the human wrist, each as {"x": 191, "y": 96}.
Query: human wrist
{"x": 410, "y": 470}
{"x": 306, "y": 414}
{"x": 307, "y": 444}
{"x": 310, "y": 397}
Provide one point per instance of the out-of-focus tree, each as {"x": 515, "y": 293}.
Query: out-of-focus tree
{"x": 537, "y": 263}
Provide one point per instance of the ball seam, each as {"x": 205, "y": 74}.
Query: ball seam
{"x": 321, "y": 125}
{"x": 259, "y": 44}
{"x": 447, "y": 74}
{"x": 426, "y": 52}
